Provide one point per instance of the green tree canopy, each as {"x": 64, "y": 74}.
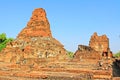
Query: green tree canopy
{"x": 4, "y": 40}
{"x": 70, "y": 54}
{"x": 2, "y": 37}
{"x": 117, "y": 55}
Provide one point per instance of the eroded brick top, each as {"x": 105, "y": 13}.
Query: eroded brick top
{"x": 38, "y": 25}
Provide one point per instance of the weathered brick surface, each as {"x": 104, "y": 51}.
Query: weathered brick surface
{"x": 34, "y": 41}
{"x": 38, "y": 26}
{"x": 36, "y": 55}
{"x": 86, "y": 52}
{"x": 99, "y": 43}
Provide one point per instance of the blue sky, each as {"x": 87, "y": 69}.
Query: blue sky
{"x": 72, "y": 21}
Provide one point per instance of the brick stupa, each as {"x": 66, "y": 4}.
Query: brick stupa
{"x": 38, "y": 26}
{"x": 35, "y": 41}
{"x": 36, "y": 55}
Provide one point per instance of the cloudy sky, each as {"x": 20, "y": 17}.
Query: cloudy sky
{"x": 72, "y": 21}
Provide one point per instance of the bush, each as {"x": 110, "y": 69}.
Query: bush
{"x": 70, "y": 54}
{"x": 2, "y": 37}
{"x": 117, "y": 55}
{"x": 4, "y": 40}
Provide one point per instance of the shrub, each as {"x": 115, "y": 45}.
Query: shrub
{"x": 70, "y": 54}
{"x": 2, "y": 37}
{"x": 117, "y": 54}
{"x": 4, "y": 40}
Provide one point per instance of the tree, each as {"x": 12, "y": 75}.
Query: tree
{"x": 117, "y": 55}
{"x": 2, "y": 37}
{"x": 4, "y": 40}
{"x": 70, "y": 54}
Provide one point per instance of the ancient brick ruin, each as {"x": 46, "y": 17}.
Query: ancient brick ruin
{"x": 97, "y": 54}
{"x": 100, "y": 44}
{"x": 38, "y": 26}
{"x": 36, "y": 55}
{"x": 97, "y": 49}
{"x": 34, "y": 41}
{"x": 86, "y": 52}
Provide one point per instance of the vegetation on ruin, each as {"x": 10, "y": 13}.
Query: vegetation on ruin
{"x": 4, "y": 40}
{"x": 117, "y": 55}
{"x": 70, "y": 54}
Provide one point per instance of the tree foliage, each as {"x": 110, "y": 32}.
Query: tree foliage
{"x": 2, "y": 37}
{"x": 117, "y": 55}
{"x": 4, "y": 40}
{"x": 70, "y": 54}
